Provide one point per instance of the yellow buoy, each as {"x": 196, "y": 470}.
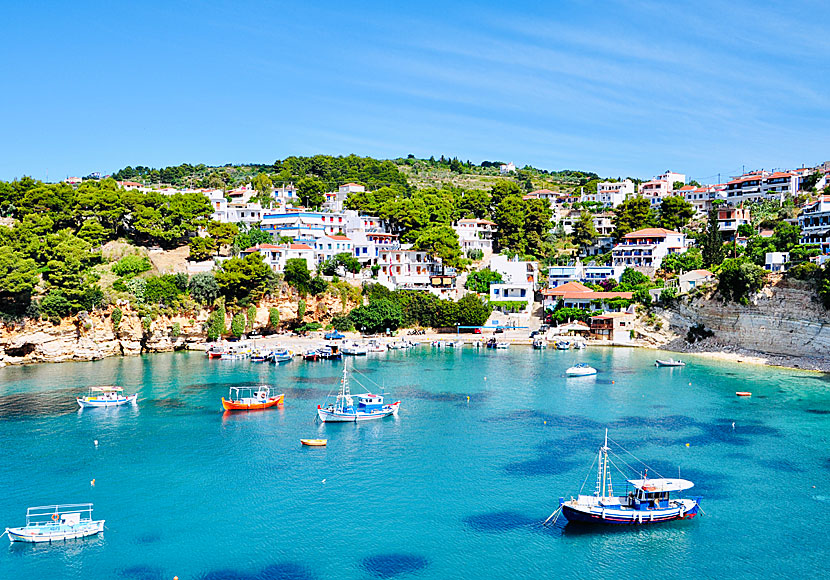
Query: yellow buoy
{"x": 545, "y": 422}
{"x": 687, "y": 444}
{"x": 92, "y": 483}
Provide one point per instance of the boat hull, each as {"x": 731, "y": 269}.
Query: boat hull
{"x": 314, "y": 442}
{"x": 327, "y": 416}
{"x": 87, "y": 403}
{"x": 59, "y": 533}
{"x": 239, "y": 406}
{"x": 596, "y": 514}
{"x": 581, "y": 373}
{"x": 664, "y": 363}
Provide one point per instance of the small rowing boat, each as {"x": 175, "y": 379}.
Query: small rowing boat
{"x": 314, "y": 442}
{"x": 248, "y": 399}
{"x": 743, "y": 393}
{"x": 669, "y": 363}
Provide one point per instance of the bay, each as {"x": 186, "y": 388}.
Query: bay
{"x": 452, "y": 488}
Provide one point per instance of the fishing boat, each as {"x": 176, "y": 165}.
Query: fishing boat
{"x": 311, "y": 354}
{"x": 52, "y": 523}
{"x": 669, "y": 363}
{"x": 236, "y": 352}
{"x": 579, "y": 345}
{"x": 344, "y": 410}
{"x": 215, "y": 351}
{"x": 354, "y": 349}
{"x": 563, "y": 345}
{"x": 106, "y": 397}
{"x": 540, "y": 343}
{"x": 374, "y": 345}
{"x": 251, "y": 399}
{"x": 280, "y": 354}
{"x": 259, "y": 355}
{"x": 644, "y": 501}
{"x": 437, "y": 344}
{"x": 314, "y": 442}
{"x": 502, "y": 345}
{"x": 580, "y": 370}
{"x": 330, "y": 352}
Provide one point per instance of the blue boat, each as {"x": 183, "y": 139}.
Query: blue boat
{"x": 343, "y": 409}
{"x": 280, "y": 355}
{"x": 645, "y": 501}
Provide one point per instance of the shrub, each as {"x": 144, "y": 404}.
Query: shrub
{"x": 668, "y": 295}
{"x": 136, "y": 287}
{"x": 300, "y": 309}
{"x": 804, "y": 271}
{"x": 116, "y": 318}
{"x": 273, "y": 317}
{"x": 375, "y": 270}
{"x": 480, "y": 281}
{"x": 739, "y": 278}
{"x": 203, "y": 288}
{"x": 146, "y": 322}
{"x": 131, "y": 265}
{"x": 342, "y": 323}
{"x": 216, "y": 324}
{"x": 120, "y": 286}
{"x": 176, "y": 330}
{"x": 642, "y": 296}
{"x": 162, "y": 290}
{"x": 309, "y": 327}
{"x": 475, "y": 254}
{"x": 251, "y": 316}
{"x": 55, "y": 305}
{"x": 378, "y": 316}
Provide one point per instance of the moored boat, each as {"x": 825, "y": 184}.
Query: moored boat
{"x": 280, "y": 354}
{"x": 580, "y": 370}
{"x": 540, "y": 343}
{"x": 330, "y": 352}
{"x": 106, "y": 397}
{"x": 374, "y": 345}
{"x": 669, "y": 363}
{"x": 314, "y": 442}
{"x": 52, "y": 523}
{"x": 311, "y": 354}
{"x": 259, "y": 355}
{"x": 251, "y": 399}
{"x": 563, "y": 345}
{"x": 743, "y": 393}
{"x": 344, "y": 410}
{"x": 215, "y": 351}
{"x": 645, "y": 500}
{"x": 354, "y": 349}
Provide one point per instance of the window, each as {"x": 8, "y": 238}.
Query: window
{"x": 495, "y": 291}
{"x": 523, "y": 292}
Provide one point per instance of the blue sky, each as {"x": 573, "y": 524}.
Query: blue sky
{"x": 619, "y": 88}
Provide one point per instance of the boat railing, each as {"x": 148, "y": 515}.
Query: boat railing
{"x": 45, "y": 514}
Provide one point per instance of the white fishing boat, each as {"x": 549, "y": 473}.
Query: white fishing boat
{"x": 106, "y": 397}
{"x": 540, "y": 343}
{"x": 354, "y": 349}
{"x": 563, "y": 345}
{"x": 502, "y": 345}
{"x": 669, "y": 363}
{"x": 344, "y": 410}
{"x": 52, "y": 523}
{"x": 374, "y": 345}
{"x": 581, "y": 370}
{"x": 579, "y": 345}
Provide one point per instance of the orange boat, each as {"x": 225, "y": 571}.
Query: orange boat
{"x": 251, "y": 399}
{"x": 743, "y": 393}
{"x": 314, "y": 442}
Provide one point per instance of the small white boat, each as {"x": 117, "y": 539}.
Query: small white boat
{"x": 106, "y": 397}
{"x": 540, "y": 343}
{"x": 52, "y": 523}
{"x": 563, "y": 345}
{"x": 580, "y": 370}
{"x": 343, "y": 409}
{"x": 579, "y": 345}
{"x": 374, "y": 345}
{"x": 669, "y": 363}
{"x": 354, "y": 349}
{"x": 437, "y": 344}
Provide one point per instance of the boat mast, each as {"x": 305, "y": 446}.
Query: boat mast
{"x": 605, "y": 463}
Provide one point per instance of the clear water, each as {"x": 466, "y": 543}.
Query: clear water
{"x": 449, "y": 489}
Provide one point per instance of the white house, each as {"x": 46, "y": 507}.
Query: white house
{"x": 302, "y": 225}
{"x": 276, "y": 255}
{"x": 475, "y": 234}
{"x": 233, "y": 212}
{"x": 519, "y": 280}
{"x": 690, "y": 280}
{"x": 647, "y": 248}
{"x": 777, "y": 261}
{"x": 507, "y": 168}
{"x": 577, "y": 295}
{"x": 327, "y": 247}
{"x": 762, "y": 185}
{"x": 814, "y": 221}
{"x": 594, "y": 274}
{"x": 656, "y": 191}
{"x": 730, "y": 218}
{"x": 613, "y": 193}
{"x": 559, "y": 275}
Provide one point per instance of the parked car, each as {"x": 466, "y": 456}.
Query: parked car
{"x": 334, "y": 335}
{"x": 498, "y": 331}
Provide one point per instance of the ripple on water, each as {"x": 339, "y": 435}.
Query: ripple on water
{"x": 391, "y": 565}
{"x": 285, "y": 571}
{"x": 19, "y": 405}
{"x": 149, "y": 538}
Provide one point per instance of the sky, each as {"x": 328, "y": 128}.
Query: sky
{"x": 621, "y": 88}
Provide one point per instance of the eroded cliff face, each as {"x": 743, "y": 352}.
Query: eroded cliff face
{"x": 92, "y": 337}
{"x": 784, "y": 320}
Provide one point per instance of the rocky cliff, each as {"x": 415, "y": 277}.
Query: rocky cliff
{"x": 92, "y": 336}
{"x": 784, "y": 320}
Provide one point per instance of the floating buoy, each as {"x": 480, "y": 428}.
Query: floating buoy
{"x": 468, "y": 398}
{"x": 687, "y": 444}
{"x": 690, "y": 384}
{"x": 324, "y": 480}
{"x": 96, "y": 443}
{"x": 92, "y": 483}
{"x": 733, "y": 425}
{"x": 544, "y": 422}
{"x": 485, "y": 378}
{"x": 612, "y": 382}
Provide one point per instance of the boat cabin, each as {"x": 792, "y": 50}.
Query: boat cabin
{"x": 368, "y": 403}
{"x": 105, "y": 394}
{"x": 654, "y": 493}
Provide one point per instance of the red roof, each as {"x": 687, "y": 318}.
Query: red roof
{"x": 129, "y": 183}
{"x": 650, "y": 233}
{"x": 702, "y": 273}
{"x": 340, "y": 238}
{"x": 779, "y": 174}
{"x": 262, "y": 247}
{"x": 565, "y": 288}
{"x": 591, "y": 295}
{"x": 299, "y": 246}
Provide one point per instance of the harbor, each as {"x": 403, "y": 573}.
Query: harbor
{"x": 484, "y": 445}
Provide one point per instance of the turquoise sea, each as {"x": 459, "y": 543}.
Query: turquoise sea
{"x": 450, "y": 489}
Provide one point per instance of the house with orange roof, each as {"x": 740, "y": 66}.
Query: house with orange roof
{"x": 645, "y": 249}
{"x": 690, "y": 280}
{"x": 327, "y": 247}
{"x": 577, "y": 295}
{"x": 475, "y": 234}
{"x": 276, "y": 255}
{"x": 762, "y": 185}
{"x": 611, "y": 193}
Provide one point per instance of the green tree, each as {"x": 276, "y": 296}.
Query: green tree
{"x": 377, "y": 316}
{"x": 161, "y": 290}
{"x": 296, "y": 274}
{"x": 18, "y": 277}
{"x": 510, "y": 222}
{"x": 480, "y": 281}
{"x": 273, "y": 317}
{"x": 537, "y": 225}
{"x": 631, "y": 278}
{"x": 243, "y": 278}
{"x": 131, "y": 265}
{"x": 738, "y": 278}
{"x": 711, "y": 242}
{"x": 203, "y": 288}
{"x": 300, "y": 309}
{"x": 689, "y": 260}
{"x": 263, "y": 184}
{"x": 472, "y": 311}
{"x": 476, "y": 203}
{"x": 584, "y": 232}
{"x": 115, "y": 317}
{"x": 201, "y": 249}
{"x": 222, "y": 233}
{"x": 250, "y": 317}
{"x": 216, "y": 323}
{"x": 675, "y": 212}
{"x": 633, "y": 214}
{"x": 502, "y": 189}
{"x": 310, "y": 192}
{"x": 442, "y": 243}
